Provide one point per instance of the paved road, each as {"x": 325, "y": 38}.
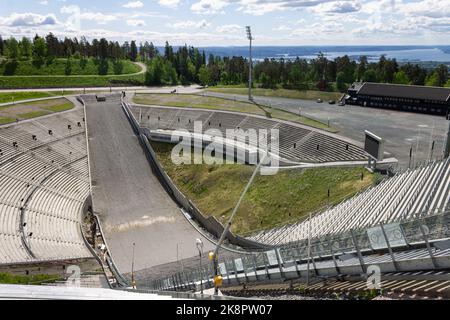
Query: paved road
{"x": 401, "y": 130}
{"x": 132, "y": 205}
{"x": 142, "y": 89}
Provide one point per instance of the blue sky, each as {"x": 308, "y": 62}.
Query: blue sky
{"x": 222, "y": 22}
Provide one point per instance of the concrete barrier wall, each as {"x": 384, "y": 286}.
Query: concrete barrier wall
{"x": 211, "y": 224}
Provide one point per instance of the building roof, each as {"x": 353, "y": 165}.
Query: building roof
{"x": 405, "y": 91}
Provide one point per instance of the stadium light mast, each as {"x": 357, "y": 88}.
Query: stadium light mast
{"x": 133, "y": 282}
{"x": 250, "y": 71}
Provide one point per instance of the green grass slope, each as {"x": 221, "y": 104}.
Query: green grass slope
{"x": 58, "y": 67}
{"x": 272, "y": 200}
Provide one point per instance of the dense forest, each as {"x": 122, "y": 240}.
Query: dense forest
{"x": 187, "y": 64}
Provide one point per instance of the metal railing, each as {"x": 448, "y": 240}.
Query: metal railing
{"x": 429, "y": 235}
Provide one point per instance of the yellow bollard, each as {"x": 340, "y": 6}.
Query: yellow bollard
{"x": 218, "y": 281}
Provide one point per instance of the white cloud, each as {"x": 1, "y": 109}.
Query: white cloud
{"x": 28, "y": 19}
{"x": 98, "y": 17}
{"x": 170, "y": 3}
{"x": 209, "y": 6}
{"x": 43, "y": 2}
{"x": 427, "y": 8}
{"x": 136, "y": 23}
{"x": 133, "y": 5}
{"x": 282, "y": 28}
{"x": 337, "y": 7}
{"x": 189, "y": 24}
{"x": 230, "y": 28}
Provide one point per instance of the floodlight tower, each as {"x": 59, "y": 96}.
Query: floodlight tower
{"x": 250, "y": 73}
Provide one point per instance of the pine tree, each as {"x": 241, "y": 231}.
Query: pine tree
{"x": 133, "y": 51}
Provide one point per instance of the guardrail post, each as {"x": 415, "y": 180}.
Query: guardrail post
{"x": 296, "y": 257}
{"x": 181, "y": 282}
{"x": 255, "y": 266}
{"x": 389, "y": 248}
{"x": 245, "y": 271}
{"x": 427, "y": 243}
{"x": 338, "y": 271}
{"x": 210, "y": 273}
{"x": 235, "y": 272}
{"x": 265, "y": 265}
{"x": 175, "y": 284}
{"x": 355, "y": 244}
{"x": 280, "y": 267}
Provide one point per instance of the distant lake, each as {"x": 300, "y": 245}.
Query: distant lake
{"x": 373, "y": 53}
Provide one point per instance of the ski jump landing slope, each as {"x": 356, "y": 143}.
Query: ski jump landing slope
{"x": 132, "y": 205}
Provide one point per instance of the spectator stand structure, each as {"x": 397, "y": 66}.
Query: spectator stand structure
{"x": 44, "y": 186}
{"x": 298, "y": 144}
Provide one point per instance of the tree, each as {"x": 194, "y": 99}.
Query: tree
{"x": 154, "y": 75}
{"x": 401, "y": 78}
{"x": 39, "y": 51}
{"x": 25, "y": 48}
{"x": 340, "y": 82}
{"x": 103, "y": 67}
{"x": 133, "y": 51}
{"x": 68, "y": 68}
{"x": 433, "y": 80}
{"x": 442, "y": 74}
{"x": 203, "y": 76}
{"x": 347, "y": 67}
{"x": 12, "y": 49}
{"x": 295, "y": 75}
{"x": 103, "y": 49}
{"x": 370, "y": 76}
{"x": 168, "y": 52}
{"x": 362, "y": 68}
{"x": 118, "y": 67}
{"x": 52, "y": 44}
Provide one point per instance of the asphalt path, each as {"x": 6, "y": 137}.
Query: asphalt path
{"x": 132, "y": 205}
{"x": 401, "y": 130}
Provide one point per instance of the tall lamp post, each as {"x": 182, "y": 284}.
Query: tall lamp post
{"x": 199, "y": 244}
{"x": 250, "y": 73}
{"x": 133, "y": 282}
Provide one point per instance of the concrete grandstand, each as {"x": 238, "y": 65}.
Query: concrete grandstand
{"x": 55, "y": 169}
{"x": 45, "y": 182}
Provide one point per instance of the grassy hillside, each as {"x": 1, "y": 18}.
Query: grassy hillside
{"x": 6, "y": 278}
{"x": 280, "y": 93}
{"x": 6, "y": 97}
{"x": 272, "y": 200}
{"x": 197, "y": 101}
{"x": 58, "y": 67}
{"x": 65, "y": 82}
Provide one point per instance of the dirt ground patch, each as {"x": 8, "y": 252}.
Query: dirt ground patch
{"x": 35, "y": 109}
